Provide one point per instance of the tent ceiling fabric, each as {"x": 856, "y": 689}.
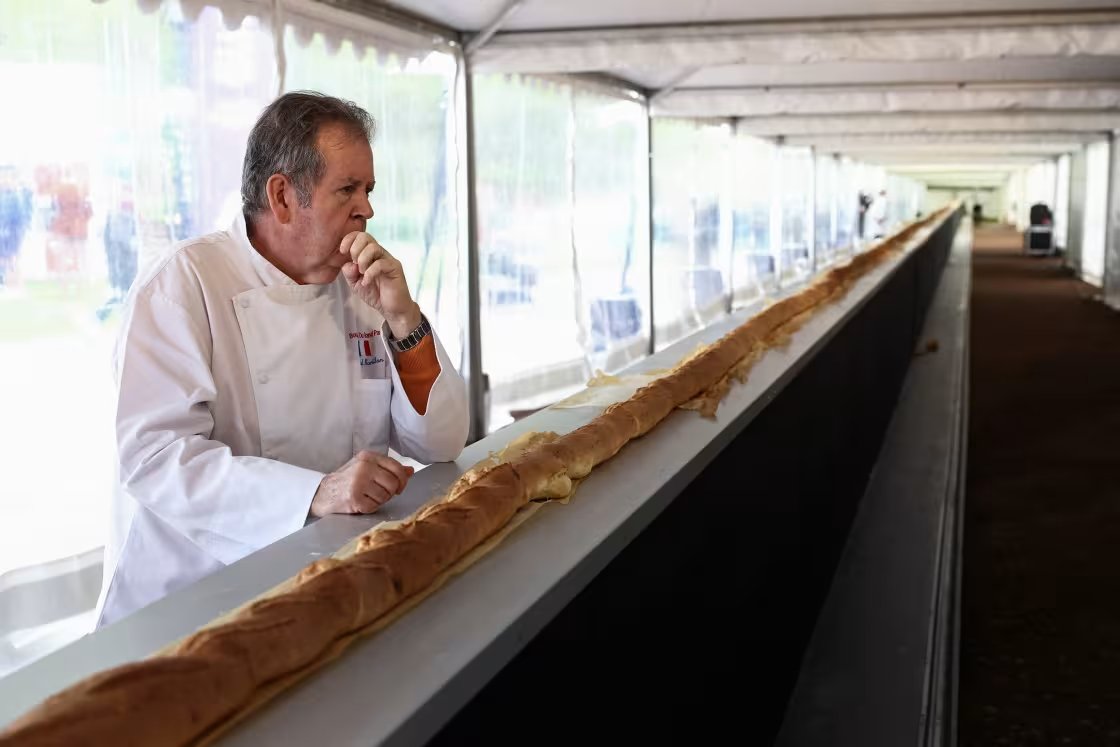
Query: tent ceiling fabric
{"x": 571, "y": 14}
{"x": 984, "y": 162}
{"x": 1044, "y": 69}
{"x": 932, "y": 122}
{"x": 999, "y": 142}
{"x": 999, "y": 83}
{"x": 965, "y": 38}
{"x": 849, "y": 100}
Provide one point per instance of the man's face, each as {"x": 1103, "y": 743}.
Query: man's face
{"x": 340, "y": 204}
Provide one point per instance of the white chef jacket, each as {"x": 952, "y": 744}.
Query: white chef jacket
{"x": 238, "y": 389}
{"x": 877, "y": 212}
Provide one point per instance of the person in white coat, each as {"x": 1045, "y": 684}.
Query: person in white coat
{"x": 264, "y": 371}
{"x": 877, "y": 212}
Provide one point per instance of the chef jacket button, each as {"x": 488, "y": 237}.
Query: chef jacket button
{"x": 263, "y": 378}
{"x": 244, "y": 303}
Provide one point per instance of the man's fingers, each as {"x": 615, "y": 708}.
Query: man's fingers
{"x": 367, "y": 501}
{"x": 401, "y": 472}
{"x": 395, "y": 468}
{"x": 377, "y": 494}
{"x": 386, "y": 480}
{"x": 348, "y": 242}
{"x": 367, "y": 252}
{"x": 351, "y": 272}
{"x": 379, "y": 267}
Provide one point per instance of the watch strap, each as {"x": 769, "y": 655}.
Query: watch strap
{"x": 413, "y": 338}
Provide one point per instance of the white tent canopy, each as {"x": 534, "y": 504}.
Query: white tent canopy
{"x": 933, "y": 122}
{"x": 848, "y": 100}
{"x": 825, "y": 75}
{"x": 1041, "y": 143}
{"x": 929, "y": 40}
{"x": 795, "y": 68}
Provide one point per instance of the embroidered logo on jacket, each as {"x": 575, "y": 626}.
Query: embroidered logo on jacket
{"x": 366, "y": 355}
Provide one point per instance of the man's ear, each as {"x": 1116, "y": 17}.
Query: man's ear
{"x": 281, "y": 197}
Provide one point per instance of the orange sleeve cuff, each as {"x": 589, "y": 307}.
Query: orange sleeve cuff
{"x": 418, "y": 369}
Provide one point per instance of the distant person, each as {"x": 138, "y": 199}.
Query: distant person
{"x": 864, "y": 203}
{"x": 877, "y": 213}
{"x": 68, "y": 228}
{"x": 15, "y": 216}
{"x": 120, "y": 255}
{"x": 120, "y": 249}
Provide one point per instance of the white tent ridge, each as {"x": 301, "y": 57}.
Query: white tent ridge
{"x": 753, "y": 103}
{"x": 933, "y": 122}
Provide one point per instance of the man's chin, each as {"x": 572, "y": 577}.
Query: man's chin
{"x": 325, "y": 275}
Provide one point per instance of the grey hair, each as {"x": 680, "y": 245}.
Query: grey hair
{"x": 283, "y": 142}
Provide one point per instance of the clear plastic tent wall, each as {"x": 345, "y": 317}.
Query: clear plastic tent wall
{"x": 826, "y": 219}
{"x": 691, "y": 224}
{"x": 796, "y": 194}
{"x": 563, "y": 247}
{"x": 754, "y": 266}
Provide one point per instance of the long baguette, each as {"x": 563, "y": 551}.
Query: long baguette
{"x": 175, "y": 697}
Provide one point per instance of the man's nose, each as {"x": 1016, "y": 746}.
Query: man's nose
{"x": 365, "y": 209}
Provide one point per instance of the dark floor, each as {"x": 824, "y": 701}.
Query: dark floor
{"x": 1040, "y": 655}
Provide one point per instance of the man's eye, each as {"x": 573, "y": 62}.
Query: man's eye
{"x": 348, "y": 189}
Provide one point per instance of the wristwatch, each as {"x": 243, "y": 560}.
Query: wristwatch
{"x": 413, "y": 338}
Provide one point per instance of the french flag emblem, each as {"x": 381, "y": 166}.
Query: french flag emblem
{"x": 365, "y": 354}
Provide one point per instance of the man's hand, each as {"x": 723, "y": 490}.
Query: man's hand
{"x": 361, "y": 485}
{"x": 378, "y": 279}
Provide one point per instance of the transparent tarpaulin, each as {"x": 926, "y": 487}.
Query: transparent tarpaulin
{"x": 411, "y": 100}
{"x": 692, "y": 226}
{"x": 1095, "y": 219}
{"x": 1042, "y": 181}
{"x": 795, "y": 193}
{"x": 847, "y": 206}
{"x": 530, "y": 335}
{"x": 1061, "y": 202}
{"x": 825, "y": 209}
{"x": 146, "y": 152}
{"x": 896, "y": 200}
{"x": 562, "y": 221}
{"x": 612, "y": 227}
{"x": 754, "y": 250}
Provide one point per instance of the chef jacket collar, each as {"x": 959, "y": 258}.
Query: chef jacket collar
{"x": 268, "y": 273}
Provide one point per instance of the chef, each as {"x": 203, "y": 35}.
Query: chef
{"x": 263, "y": 372}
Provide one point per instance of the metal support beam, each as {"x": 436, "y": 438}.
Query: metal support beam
{"x": 480, "y": 40}
{"x": 477, "y": 386}
{"x": 672, "y": 85}
{"x": 652, "y": 256}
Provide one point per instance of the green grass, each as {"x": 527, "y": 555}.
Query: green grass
{"x": 41, "y": 309}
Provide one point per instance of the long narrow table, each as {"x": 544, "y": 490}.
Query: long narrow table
{"x": 880, "y": 666}
{"x": 402, "y": 685}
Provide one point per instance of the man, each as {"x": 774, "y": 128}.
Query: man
{"x": 15, "y": 217}
{"x": 877, "y": 212}
{"x": 865, "y": 201}
{"x": 264, "y": 371}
